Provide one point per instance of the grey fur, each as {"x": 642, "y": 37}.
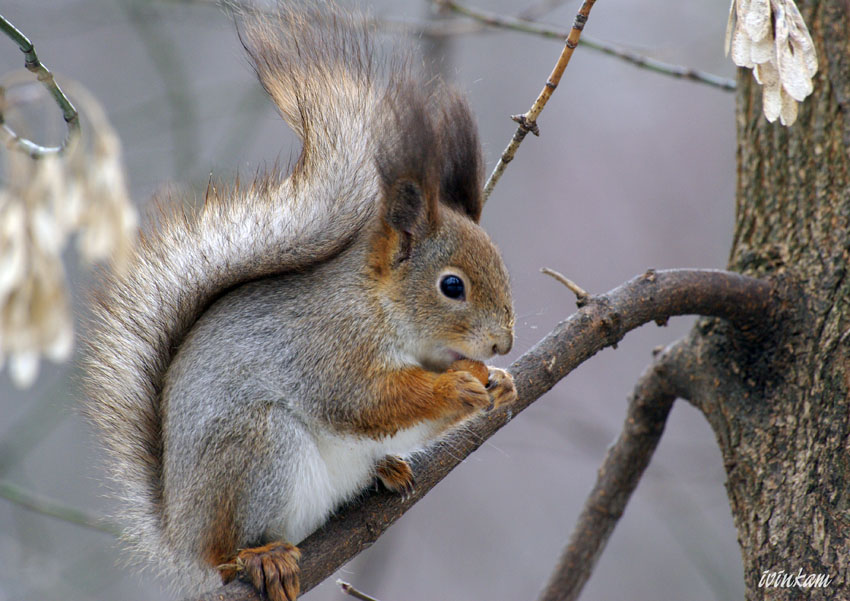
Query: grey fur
{"x": 239, "y": 340}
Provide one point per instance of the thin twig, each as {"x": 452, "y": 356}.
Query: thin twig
{"x": 620, "y": 472}
{"x": 528, "y": 121}
{"x": 492, "y": 19}
{"x": 581, "y": 294}
{"x": 43, "y": 74}
{"x": 43, "y": 505}
{"x": 535, "y": 11}
{"x": 353, "y": 592}
{"x": 601, "y": 323}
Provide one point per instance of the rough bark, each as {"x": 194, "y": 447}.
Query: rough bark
{"x": 780, "y": 408}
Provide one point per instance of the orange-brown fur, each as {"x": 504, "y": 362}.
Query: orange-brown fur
{"x": 222, "y": 537}
{"x": 406, "y": 397}
{"x": 476, "y": 368}
{"x": 395, "y": 473}
{"x": 271, "y": 568}
{"x": 384, "y": 247}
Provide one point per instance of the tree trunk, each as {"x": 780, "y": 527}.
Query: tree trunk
{"x": 779, "y": 407}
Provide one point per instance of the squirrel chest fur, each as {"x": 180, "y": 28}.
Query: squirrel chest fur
{"x": 267, "y": 357}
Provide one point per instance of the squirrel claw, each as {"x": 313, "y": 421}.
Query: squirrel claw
{"x": 272, "y": 569}
{"x": 395, "y": 474}
{"x": 501, "y": 387}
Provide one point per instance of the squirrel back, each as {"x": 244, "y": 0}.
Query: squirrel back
{"x": 365, "y": 124}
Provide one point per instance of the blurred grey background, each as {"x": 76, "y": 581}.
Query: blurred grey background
{"x": 632, "y": 170}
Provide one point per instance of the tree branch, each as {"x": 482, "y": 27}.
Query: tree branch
{"x": 353, "y": 592}
{"x": 581, "y": 294}
{"x": 603, "y": 321}
{"x": 649, "y": 406}
{"x": 523, "y": 25}
{"x": 43, "y": 74}
{"x": 43, "y": 505}
{"x": 484, "y": 21}
{"x": 528, "y": 120}
{"x": 535, "y": 11}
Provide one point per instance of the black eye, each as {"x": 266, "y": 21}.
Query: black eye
{"x": 452, "y": 286}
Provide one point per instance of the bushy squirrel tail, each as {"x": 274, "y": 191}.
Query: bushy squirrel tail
{"x": 326, "y": 89}
{"x": 358, "y": 110}
{"x": 364, "y": 123}
{"x": 319, "y": 67}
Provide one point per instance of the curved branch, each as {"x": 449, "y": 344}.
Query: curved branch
{"x": 43, "y": 74}
{"x": 650, "y": 404}
{"x": 603, "y": 321}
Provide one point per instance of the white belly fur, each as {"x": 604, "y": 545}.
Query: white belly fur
{"x": 335, "y": 470}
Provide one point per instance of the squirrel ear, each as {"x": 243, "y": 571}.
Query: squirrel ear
{"x": 407, "y": 162}
{"x": 405, "y": 205}
{"x": 462, "y": 173}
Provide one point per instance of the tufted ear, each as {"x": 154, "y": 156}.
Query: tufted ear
{"x": 405, "y": 205}
{"x": 462, "y": 172}
{"x": 407, "y": 160}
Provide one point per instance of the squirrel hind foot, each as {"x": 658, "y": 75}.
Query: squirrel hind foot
{"x": 272, "y": 569}
{"x": 395, "y": 474}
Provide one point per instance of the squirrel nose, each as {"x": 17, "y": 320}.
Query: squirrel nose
{"x": 503, "y": 343}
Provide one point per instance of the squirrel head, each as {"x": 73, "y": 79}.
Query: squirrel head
{"x": 440, "y": 277}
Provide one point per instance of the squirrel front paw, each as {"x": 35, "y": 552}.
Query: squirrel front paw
{"x": 272, "y": 569}
{"x": 498, "y": 383}
{"x": 463, "y": 390}
{"x": 500, "y": 386}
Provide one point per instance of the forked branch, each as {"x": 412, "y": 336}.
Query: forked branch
{"x": 603, "y": 321}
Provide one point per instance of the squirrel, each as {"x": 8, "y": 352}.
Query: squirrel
{"x": 268, "y": 355}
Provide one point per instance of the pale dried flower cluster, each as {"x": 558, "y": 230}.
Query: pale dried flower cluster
{"x": 771, "y": 38}
{"x": 43, "y": 203}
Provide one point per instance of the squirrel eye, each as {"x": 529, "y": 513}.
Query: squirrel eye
{"x": 452, "y": 287}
